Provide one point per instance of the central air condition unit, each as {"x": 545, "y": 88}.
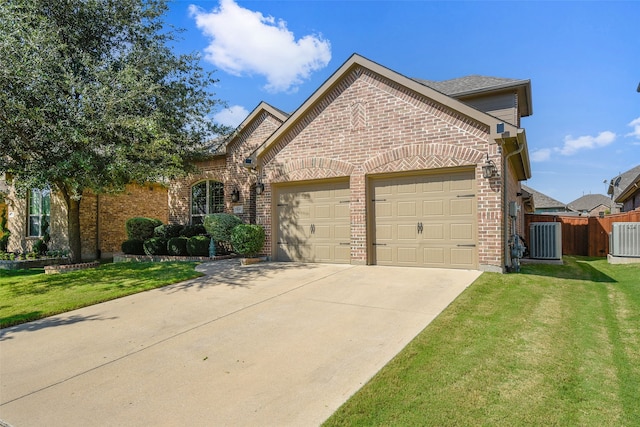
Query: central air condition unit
{"x": 545, "y": 240}
{"x": 624, "y": 239}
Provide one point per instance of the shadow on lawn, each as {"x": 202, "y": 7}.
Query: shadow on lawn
{"x": 574, "y": 268}
{"x": 231, "y": 273}
{"x": 48, "y": 322}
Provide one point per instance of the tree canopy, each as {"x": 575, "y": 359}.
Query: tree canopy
{"x": 93, "y": 96}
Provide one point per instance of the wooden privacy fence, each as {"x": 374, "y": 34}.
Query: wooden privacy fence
{"x": 582, "y": 235}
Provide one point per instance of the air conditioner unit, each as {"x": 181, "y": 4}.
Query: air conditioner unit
{"x": 624, "y": 239}
{"x": 545, "y": 240}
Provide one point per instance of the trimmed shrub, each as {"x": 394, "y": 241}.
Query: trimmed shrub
{"x": 193, "y": 230}
{"x": 167, "y": 231}
{"x": 177, "y": 246}
{"x": 140, "y": 228}
{"x": 198, "y": 245}
{"x": 133, "y": 247}
{"x": 155, "y": 246}
{"x": 220, "y": 225}
{"x": 247, "y": 239}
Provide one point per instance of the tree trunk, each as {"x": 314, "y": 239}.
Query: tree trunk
{"x": 73, "y": 222}
{"x": 73, "y": 228}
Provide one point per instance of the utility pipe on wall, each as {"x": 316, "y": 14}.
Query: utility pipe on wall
{"x": 505, "y": 196}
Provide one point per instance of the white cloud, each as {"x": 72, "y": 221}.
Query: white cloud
{"x": 635, "y": 124}
{"x": 573, "y": 145}
{"x": 231, "y": 116}
{"x": 541, "y": 155}
{"x": 245, "y": 42}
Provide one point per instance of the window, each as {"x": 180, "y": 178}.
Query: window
{"x": 39, "y": 211}
{"x": 206, "y": 197}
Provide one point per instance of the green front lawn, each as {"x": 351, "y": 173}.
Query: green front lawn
{"x": 554, "y": 345}
{"x": 27, "y": 295}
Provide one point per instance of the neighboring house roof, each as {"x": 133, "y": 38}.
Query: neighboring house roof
{"x": 629, "y": 191}
{"x": 511, "y": 137}
{"x": 589, "y": 202}
{"x": 467, "y": 86}
{"x": 542, "y": 201}
{"x": 620, "y": 183}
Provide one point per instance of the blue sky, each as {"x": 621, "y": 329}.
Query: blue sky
{"x": 583, "y": 60}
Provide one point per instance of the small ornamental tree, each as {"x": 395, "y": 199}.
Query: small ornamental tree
{"x": 220, "y": 225}
{"x": 247, "y": 239}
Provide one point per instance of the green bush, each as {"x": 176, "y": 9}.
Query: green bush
{"x": 39, "y": 247}
{"x": 4, "y": 232}
{"x": 193, "y": 230}
{"x": 247, "y": 239}
{"x": 140, "y": 228}
{"x": 220, "y": 225}
{"x": 198, "y": 245}
{"x": 167, "y": 231}
{"x": 155, "y": 246}
{"x": 177, "y": 246}
{"x": 133, "y": 247}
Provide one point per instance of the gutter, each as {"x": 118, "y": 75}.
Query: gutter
{"x": 505, "y": 201}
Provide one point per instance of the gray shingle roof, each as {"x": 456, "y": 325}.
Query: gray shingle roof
{"x": 469, "y": 84}
{"x": 619, "y": 183}
{"x": 588, "y": 202}
{"x": 542, "y": 201}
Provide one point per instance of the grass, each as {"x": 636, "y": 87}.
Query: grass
{"x": 554, "y": 345}
{"x": 27, "y": 295}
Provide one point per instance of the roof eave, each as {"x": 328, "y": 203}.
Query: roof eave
{"x": 358, "y": 61}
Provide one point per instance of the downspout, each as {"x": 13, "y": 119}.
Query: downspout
{"x": 505, "y": 201}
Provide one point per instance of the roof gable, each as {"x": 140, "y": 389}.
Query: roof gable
{"x": 356, "y": 61}
{"x": 248, "y": 124}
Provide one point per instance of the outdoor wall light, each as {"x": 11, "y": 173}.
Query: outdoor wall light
{"x": 259, "y": 188}
{"x": 235, "y": 196}
{"x": 489, "y": 169}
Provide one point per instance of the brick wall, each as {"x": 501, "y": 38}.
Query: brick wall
{"x": 369, "y": 125}
{"x": 228, "y": 170}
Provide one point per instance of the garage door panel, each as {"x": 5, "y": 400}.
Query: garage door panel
{"x": 425, "y": 228}
{"x": 433, "y": 208}
{"x": 407, "y": 255}
{"x": 433, "y": 232}
{"x": 461, "y": 207}
{"x": 434, "y": 257}
{"x": 462, "y": 256}
{"x": 384, "y": 210}
{"x": 407, "y": 232}
{"x": 407, "y": 208}
{"x": 294, "y": 252}
{"x": 313, "y": 222}
{"x": 462, "y": 232}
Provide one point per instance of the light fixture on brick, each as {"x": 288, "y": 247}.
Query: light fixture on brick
{"x": 489, "y": 169}
{"x": 235, "y": 196}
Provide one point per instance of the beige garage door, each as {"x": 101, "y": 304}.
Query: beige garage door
{"x": 425, "y": 220}
{"x": 314, "y": 223}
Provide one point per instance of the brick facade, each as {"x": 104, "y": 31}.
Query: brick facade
{"x": 369, "y": 125}
{"x": 228, "y": 169}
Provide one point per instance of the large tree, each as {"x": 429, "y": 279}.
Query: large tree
{"x": 93, "y": 96}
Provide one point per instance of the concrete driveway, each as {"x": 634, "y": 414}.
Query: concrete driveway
{"x": 272, "y": 344}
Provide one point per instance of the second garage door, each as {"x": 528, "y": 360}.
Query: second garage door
{"x": 425, "y": 220}
{"x": 314, "y": 222}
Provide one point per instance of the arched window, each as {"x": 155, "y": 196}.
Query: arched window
{"x": 206, "y": 197}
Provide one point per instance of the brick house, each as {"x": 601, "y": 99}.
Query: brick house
{"x": 378, "y": 168}
{"x": 373, "y": 168}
